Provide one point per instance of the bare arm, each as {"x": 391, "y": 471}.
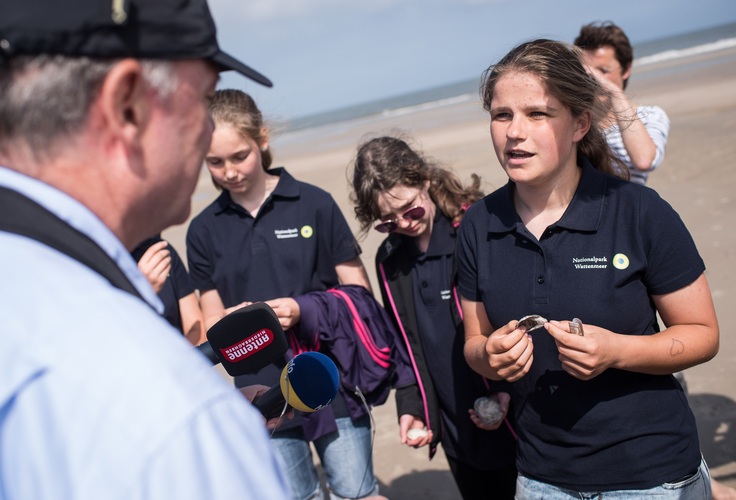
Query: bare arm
{"x": 639, "y": 145}
{"x": 637, "y": 141}
{"x": 353, "y": 272}
{"x": 691, "y": 337}
{"x": 192, "y": 319}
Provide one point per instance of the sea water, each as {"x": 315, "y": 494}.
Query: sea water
{"x": 647, "y": 53}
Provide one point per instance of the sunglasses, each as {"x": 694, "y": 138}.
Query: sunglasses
{"x": 391, "y": 225}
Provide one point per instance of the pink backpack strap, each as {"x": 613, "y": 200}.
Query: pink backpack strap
{"x": 380, "y": 355}
{"x": 422, "y": 391}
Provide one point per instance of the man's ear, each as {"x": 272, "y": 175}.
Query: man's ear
{"x": 124, "y": 102}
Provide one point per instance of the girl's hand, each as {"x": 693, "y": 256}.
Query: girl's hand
{"x": 408, "y": 422}
{"x": 251, "y": 392}
{"x": 155, "y": 264}
{"x": 510, "y": 351}
{"x": 287, "y": 310}
{"x": 584, "y": 357}
{"x": 503, "y": 399}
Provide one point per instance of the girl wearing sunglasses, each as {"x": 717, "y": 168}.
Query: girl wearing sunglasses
{"x": 419, "y": 205}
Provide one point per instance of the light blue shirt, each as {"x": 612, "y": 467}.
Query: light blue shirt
{"x": 100, "y": 398}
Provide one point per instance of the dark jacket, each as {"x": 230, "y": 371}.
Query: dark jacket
{"x": 395, "y": 261}
{"x": 349, "y": 325}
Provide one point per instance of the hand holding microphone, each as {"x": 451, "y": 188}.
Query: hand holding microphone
{"x": 251, "y": 392}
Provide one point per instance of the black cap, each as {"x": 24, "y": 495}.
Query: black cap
{"x": 144, "y": 29}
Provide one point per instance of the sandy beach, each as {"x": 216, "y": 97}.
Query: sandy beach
{"x": 697, "y": 178}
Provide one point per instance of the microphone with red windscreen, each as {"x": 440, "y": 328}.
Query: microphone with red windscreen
{"x": 245, "y": 340}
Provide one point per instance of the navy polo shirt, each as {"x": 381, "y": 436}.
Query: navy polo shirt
{"x": 617, "y": 244}
{"x": 290, "y": 248}
{"x": 456, "y": 385}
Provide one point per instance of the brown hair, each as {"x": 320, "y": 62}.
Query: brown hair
{"x": 596, "y": 35}
{"x": 239, "y": 110}
{"x": 386, "y": 162}
{"x": 558, "y": 66}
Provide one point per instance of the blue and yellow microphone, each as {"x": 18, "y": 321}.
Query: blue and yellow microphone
{"x": 308, "y": 383}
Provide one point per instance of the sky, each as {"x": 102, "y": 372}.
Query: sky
{"x": 324, "y": 55}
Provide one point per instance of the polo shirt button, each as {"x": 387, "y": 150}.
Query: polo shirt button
{"x": 425, "y": 284}
{"x": 540, "y": 279}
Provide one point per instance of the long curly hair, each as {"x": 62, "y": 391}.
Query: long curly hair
{"x": 385, "y": 162}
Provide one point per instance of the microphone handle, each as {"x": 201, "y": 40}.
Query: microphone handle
{"x": 270, "y": 403}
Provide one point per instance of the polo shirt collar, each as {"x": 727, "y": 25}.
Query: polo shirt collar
{"x": 586, "y": 208}
{"x": 287, "y": 187}
{"x": 442, "y": 240}
{"x": 583, "y": 214}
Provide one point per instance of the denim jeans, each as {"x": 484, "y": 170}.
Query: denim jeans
{"x": 695, "y": 487}
{"x": 346, "y": 457}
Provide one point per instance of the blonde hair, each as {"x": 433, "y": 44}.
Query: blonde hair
{"x": 239, "y": 110}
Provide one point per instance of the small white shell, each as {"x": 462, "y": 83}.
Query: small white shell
{"x": 416, "y": 433}
{"x": 532, "y": 322}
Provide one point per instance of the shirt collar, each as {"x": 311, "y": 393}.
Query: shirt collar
{"x": 586, "y": 208}
{"x": 583, "y": 214}
{"x": 287, "y": 187}
{"x": 441, "y": 241}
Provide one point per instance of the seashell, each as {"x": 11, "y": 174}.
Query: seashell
{"x": 532, "y": 322}
{"x": 416, "y": 433}
{"x": 576, "y": 326}
{"x": 488, "y": 410}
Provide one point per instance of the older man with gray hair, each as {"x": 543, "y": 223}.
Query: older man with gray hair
{"x": 103, "y": 129}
